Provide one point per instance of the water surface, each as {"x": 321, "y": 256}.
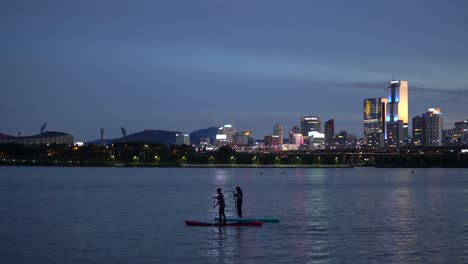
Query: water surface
{"x": 136, "y": 215}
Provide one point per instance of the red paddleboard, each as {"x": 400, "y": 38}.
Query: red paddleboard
{"x": 198, "y": 223}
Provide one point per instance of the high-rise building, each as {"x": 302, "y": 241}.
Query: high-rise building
{"x": 294, "y": 130}
{"x": 225, "y": 135}
{"x": 395, "y": 133}
{"x": 447, "y": 137}
{"x": 329, "y": 133}
{"x": 243, "y": 138}
{"x": 272, "y": 142}
{"x": 278, "y": 131}
{"x": 374, "y": 122}
{"x": 345, "y": 140}
{"x": 397, "y": 113}
{"x": 417, "y": 130}
{"x": 297, "y": 139}
{"x": 182, "y": 138}
{"x": 432, "y": 127}
{"x": 310, "y": 123}
{"x": 460, "y": 131}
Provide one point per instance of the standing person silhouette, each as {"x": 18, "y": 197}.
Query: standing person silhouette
{"x": 238, "y": 195}
{"x": 222, "y": 205}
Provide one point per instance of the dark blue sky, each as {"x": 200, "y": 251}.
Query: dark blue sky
{"x": 183, "y": 65}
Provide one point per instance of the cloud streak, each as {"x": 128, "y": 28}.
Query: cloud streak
{"x": 456, "y": 93}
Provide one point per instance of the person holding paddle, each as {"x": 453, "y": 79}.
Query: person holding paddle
{"x": 221, "y": 203}
{"x": 238, "y": 199}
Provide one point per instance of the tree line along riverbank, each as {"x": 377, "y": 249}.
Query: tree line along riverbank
{"x": 157, "y": 155}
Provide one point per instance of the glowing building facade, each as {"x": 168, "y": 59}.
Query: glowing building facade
{"x": 294, "y": 130}
{"x": 316, "y": 140}
{"x": 225, "y": 135}
{"x": 310, "y": 123}
{"x": 374, "y": 122}
{"x": 432, "y": 127}
{"x": 297, "y": 139}
{"x": 397, "y": 113}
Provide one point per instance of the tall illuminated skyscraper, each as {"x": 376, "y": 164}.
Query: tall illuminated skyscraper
{"x": 397, "y": 113}
{"x": 432, "y": 127}
{"x": 374, "y": 122}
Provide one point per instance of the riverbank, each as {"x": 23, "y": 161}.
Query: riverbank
{"x": 28, "y": 163}
{"x": 279, "y": 166}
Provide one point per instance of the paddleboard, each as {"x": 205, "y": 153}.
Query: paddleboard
{"x": 198, "y": 223}
{"x": 251, "y": 219}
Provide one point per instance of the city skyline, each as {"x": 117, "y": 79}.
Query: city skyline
{"x": 180, "y": 67}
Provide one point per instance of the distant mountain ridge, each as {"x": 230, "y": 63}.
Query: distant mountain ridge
{"x": 161, "y": 136}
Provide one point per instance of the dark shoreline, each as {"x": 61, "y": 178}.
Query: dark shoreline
{"x": 285, "y": 166}
{"x": 146, "y": 155}
{"x": 260, "y": 166}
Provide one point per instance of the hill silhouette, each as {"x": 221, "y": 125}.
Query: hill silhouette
{"x": 161, "y": 136}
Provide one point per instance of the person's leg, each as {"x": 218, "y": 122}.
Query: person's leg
{"x": 239, "y": 208}
{"x": 224, "y": 216}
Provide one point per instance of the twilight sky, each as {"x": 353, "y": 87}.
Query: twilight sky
{"x": 184, "y": 65}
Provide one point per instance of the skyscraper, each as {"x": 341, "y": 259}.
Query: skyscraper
{"x": 225, "y": 135}
{"x": 329, "y": 133}
{"x": 278, "y": 131}
{"x": 417, "y": 130}
{"x": 374, "y": 122}
{"x": 243, "y": 138}
{"x": 310, "y": 123}
{"x": 293, "y": 132}
{"x": 397, "y": 113}
{"x": 182, "y": 138}
{"x": 432, "y": 127}
{"x": 460, "y": 131}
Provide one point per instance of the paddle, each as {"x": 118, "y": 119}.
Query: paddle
{"x": 235, "y": 202}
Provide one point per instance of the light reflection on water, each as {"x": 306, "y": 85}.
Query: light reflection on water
{"x": 318, "y": 243}
{"x": 221, "y": 177}
{"x": 95, "y": 215}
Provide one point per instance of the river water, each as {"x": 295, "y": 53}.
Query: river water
{"x": 136, "y": 215}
